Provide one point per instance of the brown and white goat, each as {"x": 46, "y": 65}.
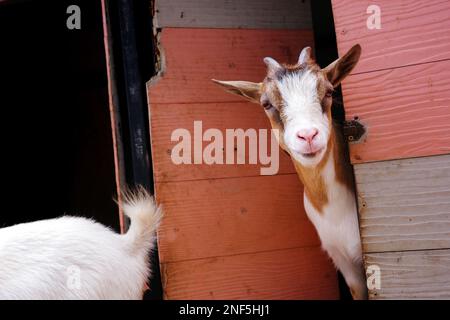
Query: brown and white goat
{"x": 297, "y": 100}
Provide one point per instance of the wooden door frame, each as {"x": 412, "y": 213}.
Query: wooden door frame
{"x": 130, "y": 62}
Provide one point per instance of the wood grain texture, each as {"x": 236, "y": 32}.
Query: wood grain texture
{"x": 226, "y": 228}
{"x": 406, "y": 110}
{"x": 210, "y": 218}
{"x": 412, "y": 275}
{"x": 195, "y": 56}
{"x": 165, "y": 118}
{"x": 411, "y": 32}
{"x": 298, "y": 273}
{"x": 404, "y": 204}
{"x": 113, "y": 101}
{"x": 268, "y": 14}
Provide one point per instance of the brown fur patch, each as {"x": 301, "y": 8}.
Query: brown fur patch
{"x": 323, "y": 87}
{"x": 313, "y": 182}
{"x": 271, "y": 94}
{"x": 342, "y": 165}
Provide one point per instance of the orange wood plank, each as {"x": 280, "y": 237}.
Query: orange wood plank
{"x": 298, "y": 273}
{"x": 194, "y": 56}
{"x": 165, "y": 118}
{"x": 411, "y": 32}
{"x": 211, "y": 218}
{"x": 407, "y": 111}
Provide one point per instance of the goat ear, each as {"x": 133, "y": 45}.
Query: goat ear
{"x": 246, "y": 89}
{"x": 305, "y": 55}
{"x": 273, "y": 67}
{"x": 340, "y": 68}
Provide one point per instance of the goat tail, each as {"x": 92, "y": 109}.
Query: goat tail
{"x": 145, "y": 216}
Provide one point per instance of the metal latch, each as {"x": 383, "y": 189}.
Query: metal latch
{"x": 354, "y": 130}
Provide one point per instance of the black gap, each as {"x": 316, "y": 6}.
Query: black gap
{"x": 57, "y": 148}
{"x": 133, "y": 58}
{"x": 326, "y": 47}
{"x": 326, "y": 52}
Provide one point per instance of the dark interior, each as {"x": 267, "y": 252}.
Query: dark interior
{"x": 325, "y": 50}
{"x": 57, "y": 144}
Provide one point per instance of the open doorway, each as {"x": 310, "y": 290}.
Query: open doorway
{"x": 57, "y": 147}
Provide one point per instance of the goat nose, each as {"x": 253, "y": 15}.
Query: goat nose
{"x": 307, "y": 134}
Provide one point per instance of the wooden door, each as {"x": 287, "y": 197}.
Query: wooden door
{"x": 229, "y": 233}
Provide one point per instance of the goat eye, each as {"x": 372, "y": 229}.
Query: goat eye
{"x": 267, "y": 105}
{"x": 329, "y": 93}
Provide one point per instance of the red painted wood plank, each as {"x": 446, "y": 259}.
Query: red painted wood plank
{"x": 165, "y": 118}
{"x": 223, "y": 222}
{"x": 407, "y": 111}
{"x": 298, "y": 273}
{"x": 220, "y": 217}
{"x": 411, "y": 32}
{"x": 194, "y": 56}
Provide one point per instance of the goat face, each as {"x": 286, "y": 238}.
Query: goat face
{"x": 299, "y": 98}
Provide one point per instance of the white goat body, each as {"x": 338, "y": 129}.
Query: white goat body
{"x": 77, "y": 258}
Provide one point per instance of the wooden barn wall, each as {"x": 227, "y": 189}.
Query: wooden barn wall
{"x": 400, "y": 91}
{"x": 412, "y": 274}
{"x": 228, "y": 232}
{"x": 404, "y": 208}
{"x": 401, "y": 83}
{"x": 405, "y": 204}
{"x": 234, "y": 14}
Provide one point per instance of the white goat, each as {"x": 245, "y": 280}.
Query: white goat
{"x": 297, "y": 100}
{"x": 77, "y": 258}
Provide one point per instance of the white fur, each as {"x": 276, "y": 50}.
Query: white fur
{"x": 302, "y": 110}
{"x": 77, "y": 258}
{"x": 337, "y": 226}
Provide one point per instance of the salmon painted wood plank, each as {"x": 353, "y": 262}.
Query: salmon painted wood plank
{"x": 166, "y": 118}
{"x": 404, "y": 204}
{"x": 194, "y": 56}
{"x": 218, "y": 217}
{"x": 406, "y": 110}
{"x": 297, "y": 273}
{"x": 412, "y": 274}
{"x": 254, "y": 14}
{"x": 411, "y": 32}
